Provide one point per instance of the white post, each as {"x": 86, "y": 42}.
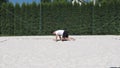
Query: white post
{"x": 40, "y": 15}
{"x": 76, "y": 1}
{"x": 94, "y": 2}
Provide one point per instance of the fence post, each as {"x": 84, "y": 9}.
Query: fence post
{"x": 40, "y": 16}
{"x": 92, "y": 23}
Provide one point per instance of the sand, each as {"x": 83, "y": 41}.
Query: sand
{"x": 87, "y": 51}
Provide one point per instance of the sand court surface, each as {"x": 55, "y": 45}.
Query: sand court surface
{"x": 87, "y": 51}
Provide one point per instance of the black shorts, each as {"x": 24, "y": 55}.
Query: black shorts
{"x": 65, "y": 34}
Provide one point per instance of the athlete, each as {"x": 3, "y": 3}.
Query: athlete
{"x": 62, "y": 35}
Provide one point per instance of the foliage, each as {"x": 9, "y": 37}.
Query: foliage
{"x": 3, "y": 1}
{"x": 41, "y": 19}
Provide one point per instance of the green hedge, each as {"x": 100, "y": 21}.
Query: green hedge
{"x": 36, "y": 19}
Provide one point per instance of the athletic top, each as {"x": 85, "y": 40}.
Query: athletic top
{"x": 59, "y": 32}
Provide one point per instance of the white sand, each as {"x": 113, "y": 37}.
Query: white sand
{"x": 43, "y": 52}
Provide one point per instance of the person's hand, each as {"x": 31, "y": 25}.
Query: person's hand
{"x": 56, "y": 40}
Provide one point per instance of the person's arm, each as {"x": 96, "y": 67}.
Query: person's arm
{"x": 60, "y": 37}
{"x": 56, "y": 37}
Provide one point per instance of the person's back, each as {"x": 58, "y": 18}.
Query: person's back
{"x": 59, "y": 32}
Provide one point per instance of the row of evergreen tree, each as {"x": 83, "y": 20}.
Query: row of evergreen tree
{"x": 41, "y": 19}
